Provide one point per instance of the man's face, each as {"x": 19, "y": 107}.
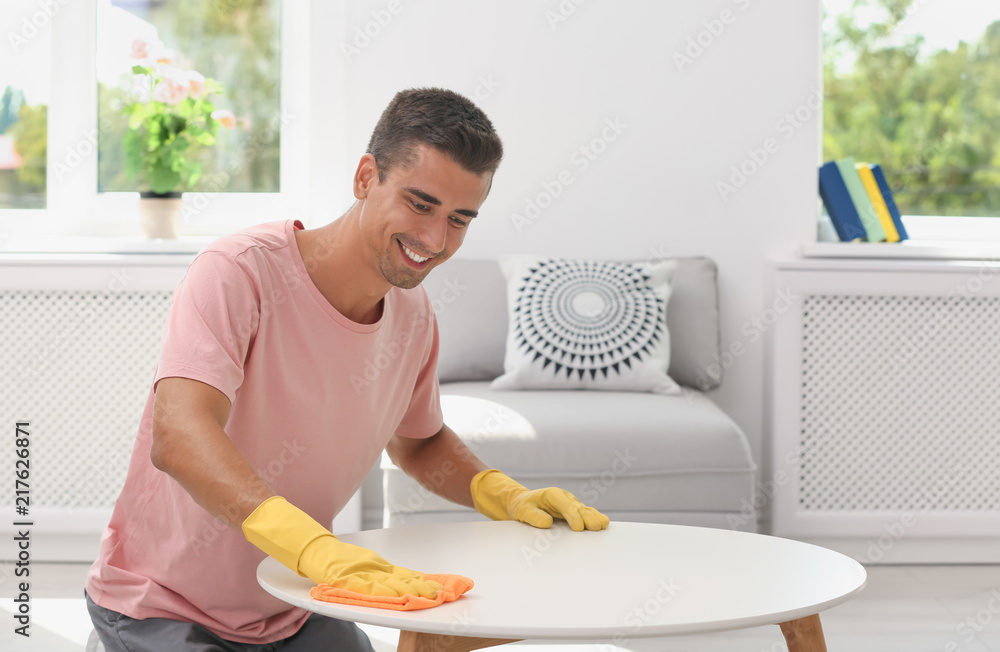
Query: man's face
{"x": 416, "y": 217}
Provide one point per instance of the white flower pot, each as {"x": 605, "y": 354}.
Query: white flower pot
{"x": 160, "y": 215}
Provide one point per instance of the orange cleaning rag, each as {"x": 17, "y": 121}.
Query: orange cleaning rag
{"x": 454, "y": 587}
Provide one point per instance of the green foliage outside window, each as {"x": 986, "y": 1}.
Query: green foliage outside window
{"x": 932, "y": 120}
{"x": 30, "y": 133}
{"x": 26, "y": 126}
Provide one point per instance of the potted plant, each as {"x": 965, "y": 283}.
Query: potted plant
{"x": 170, "y": 121}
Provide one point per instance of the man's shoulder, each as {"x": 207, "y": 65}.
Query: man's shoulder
{"x": 270, "y": 236}
{"x": 254, "y": 250}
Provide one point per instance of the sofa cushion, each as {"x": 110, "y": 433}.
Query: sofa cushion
{"x": 622, "y": 452}
{"x": 693, "y": 322}
{"x": 470, "y": 300}
{"x": 584, "y": 324}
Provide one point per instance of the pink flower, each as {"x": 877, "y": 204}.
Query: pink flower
{"x": 196, "y": 84}
{"x": 225, "y": 118}
{"x": 165, "y": 56}
{"x": 140, "y": 49}
{"x": 162, "y": 70}
{"x": 173, "y": 88}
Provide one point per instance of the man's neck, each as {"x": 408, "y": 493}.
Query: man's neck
{"x": 338, "y": 266}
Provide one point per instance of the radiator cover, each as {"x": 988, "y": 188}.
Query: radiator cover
{"x": 80, "y": 338}
{"x": 899, "y": 404}
{"x": 883, "y": 416}
{"x": 78, "y": 365}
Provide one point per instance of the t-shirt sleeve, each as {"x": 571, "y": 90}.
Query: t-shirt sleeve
{"x": 210, "y": 325}
{"x": 423, "y": 417}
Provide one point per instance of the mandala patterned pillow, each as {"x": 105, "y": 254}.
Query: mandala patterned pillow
{"x": 578, "y": 324}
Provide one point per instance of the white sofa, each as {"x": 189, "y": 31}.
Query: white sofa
{"x": 635, "y": 456}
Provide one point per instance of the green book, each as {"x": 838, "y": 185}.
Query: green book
{"x": 856, "y": 189}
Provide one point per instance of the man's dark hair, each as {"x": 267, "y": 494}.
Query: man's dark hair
{"x": 440, "y": 118}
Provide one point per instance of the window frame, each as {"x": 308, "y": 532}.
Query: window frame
{"x": 964, "y": 230}
{"x": 74, "y": 207}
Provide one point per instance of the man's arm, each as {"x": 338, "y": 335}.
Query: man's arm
{"x": 441, "y": 463}
{"x": 191, "y": 445}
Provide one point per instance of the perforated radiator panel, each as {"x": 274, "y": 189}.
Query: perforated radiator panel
{"x": 78, "y": 365}
{"x": 899, "y": 405}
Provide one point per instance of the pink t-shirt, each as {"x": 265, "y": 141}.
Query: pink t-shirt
{"x": 315, "y": 399}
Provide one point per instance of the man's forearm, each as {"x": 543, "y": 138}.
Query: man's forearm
{"x": 190, "y": 445}
{"x": 441, "y": 463}
{"x": 216, "y": 475}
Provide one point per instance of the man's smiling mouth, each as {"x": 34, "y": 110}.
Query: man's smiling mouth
{"x": 413, "y": 256}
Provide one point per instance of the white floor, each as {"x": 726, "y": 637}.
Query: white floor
{"x": 903, "y": 609}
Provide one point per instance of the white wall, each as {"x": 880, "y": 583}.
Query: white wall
{"x": 654, "y": 188}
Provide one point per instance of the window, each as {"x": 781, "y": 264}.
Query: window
{"x": 235, "y": 43}
{"x": 72, "y": 76}
{"x": 24, "y": 83}
{"x": 915, "y": 86}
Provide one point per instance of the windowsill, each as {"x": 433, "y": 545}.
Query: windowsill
{"x": 908, "y": 249}
{"x": 112, "y": 224}
{"x": 74, "y": 244}
{"x": 932, "y": 237}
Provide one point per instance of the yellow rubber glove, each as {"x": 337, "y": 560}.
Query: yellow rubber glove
{"x": 503, "y": 499}
{"x": 295, "y": 539}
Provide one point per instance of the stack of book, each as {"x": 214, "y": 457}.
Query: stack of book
{"x": 859, "y": 201}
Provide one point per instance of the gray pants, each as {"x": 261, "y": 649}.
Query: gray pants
{"x": 119, "y": 633}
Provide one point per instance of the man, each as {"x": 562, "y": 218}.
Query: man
{"x": 252, "y": 421}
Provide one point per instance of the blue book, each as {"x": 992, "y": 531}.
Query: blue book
{"x": 839, "y": 204}
{"x": 890, "y": 203}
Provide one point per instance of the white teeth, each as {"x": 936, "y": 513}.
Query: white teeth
{"x": 414, "y": 257}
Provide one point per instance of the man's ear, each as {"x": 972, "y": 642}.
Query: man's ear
{"x": 365, "y": 177}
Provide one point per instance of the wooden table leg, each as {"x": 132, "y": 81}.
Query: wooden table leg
{"x": 421, "y": 642}
{"x": 803, "y": 634}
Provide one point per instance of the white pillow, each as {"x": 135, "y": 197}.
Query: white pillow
{"x": 579, "y": 324}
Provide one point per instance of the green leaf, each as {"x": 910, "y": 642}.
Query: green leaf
{"x": 205, "y": 138}
{"x": 142, "y": 70}
{"x": 155, "y": 137}
{"x": 163, "y": 180}
{"x": 136, "y": 119}
{"x": 195, "y": 174}
{"x": 175, "y": 124}
{"x": 133, "y": 146}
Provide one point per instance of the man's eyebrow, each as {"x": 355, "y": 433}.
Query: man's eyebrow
{"x": 431, "y": 199}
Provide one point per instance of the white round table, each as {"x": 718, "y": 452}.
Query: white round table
{"x": 633, "y": 580}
